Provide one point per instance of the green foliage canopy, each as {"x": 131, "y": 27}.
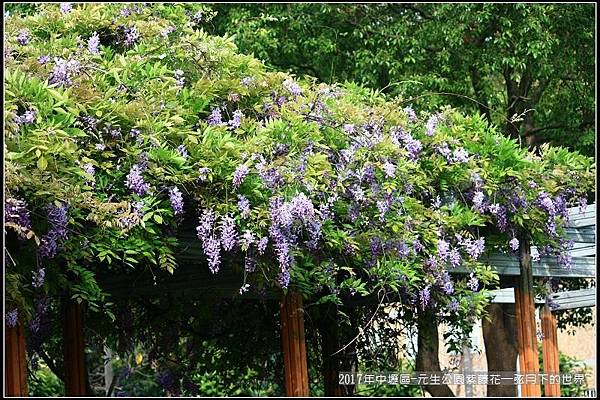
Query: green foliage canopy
{"x": 122, "y": 127}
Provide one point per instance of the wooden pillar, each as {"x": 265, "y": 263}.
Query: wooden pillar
{"x": 525, "y": 317}
{"x": 73, "y": 349}
{"x": 16, "y": 362}
{"x": 550, "y": 350}
{"x": 294, "y": 345}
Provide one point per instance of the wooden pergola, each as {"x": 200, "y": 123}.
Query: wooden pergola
{"x": 193, "y": 277}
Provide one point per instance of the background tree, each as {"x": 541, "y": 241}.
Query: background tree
{"x": 526, "y": 67}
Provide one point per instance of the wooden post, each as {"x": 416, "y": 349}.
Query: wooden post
{"x": 550, "y": 350}
{"x": 73, "y": 349}
{"x": 294, "y": 345}
{"x": 525, "y": 316}
{"x": 16, "y": 362}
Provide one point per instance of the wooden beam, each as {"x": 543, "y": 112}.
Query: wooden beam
{"x": 525, "y": 315}
{"x": 16, "y": 362}
{"x": 550, "y": 350}
{"x": 74, "y": 349}
{"x": 294, "y": 345}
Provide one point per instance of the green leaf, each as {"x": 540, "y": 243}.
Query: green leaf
{"x": 42, "y": 163}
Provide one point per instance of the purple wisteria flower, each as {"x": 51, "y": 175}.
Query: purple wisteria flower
{"x": 131, "y": 36}
{"x": 474, "y": 248}
{"x": 514, "y": 244}
{"x": 239, "y": 175}
{"x": 424, "y": 297}
{"x": 349, "y": 128}
{"x": 443, "y": 249}
{"x": 445, "y": 151}
{"x": 90, "y": 170}
{"x": 166, "y": 31}
{"x": 198, "y": 17}
{"x": 135, "y": 181}
{"x": 228, "y": 233}
{"x": 292, "y": 87}
{"x": 11, "y": 318}
{"x": 284, "y": 279}
{"x": 237, "y": 119}
{"x": 247, "y": 81}
{"x": 262, "y": 245}
{"x": 249, "y": 264}
{"x": 473, "y": 282}
{"x": 455, "y": 258}
{"x": 500, "y": 213}
{"x": 479, "y": 201}
{"x": 546, "y": 203}
{"x": 453, "y": 306}
{"x": 179, "y": 78}
{"x": 389, "y": 169}
{"x": 58, "y": 219}
{"x": 27, "y": 118}
{"x": 23, "y": 37}
{"x": 244, "y": 206}
{"x": 418, "y": 246}
{"x": 246, "y": 240}
{"x": 38, "y": 278}
{"x": 100, "y": 146}
{"x": 93, "y": 43}
{"x": 130, "y": 220}
{"x": 551, "y": 303}
{"x": 245, "y": 288}
{"x": 206, "y": 224}
{"x": 432, "y": 123}
{"x": 65, "y": 7}
{"x": 182, "y": 151}
{"x": 215, "y": 117}
{"x": 445, "y": 283}
{"x": 125, "y": 12}
{"x": 582, "y": 204}
{"x": 460, "y": 155}
{"x": 565, "y": 259}
{"x": 437, "y": 202}
{"x": 16, "y": 213}
{"x": 212, "y": 249}
{"x": 203, "y": 173}
{"x": 410, "y": 113}
{"x": 64, "y": 71}
{"x": 176, "y": 198}
{"x": 114, "y": 132}
{"x": 476, "y": 179}
{"x": 412, "y": 145}
{"x": 43, "y": 59}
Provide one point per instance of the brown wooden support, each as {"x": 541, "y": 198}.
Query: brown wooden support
{"x": 74, "y": 349}
{"x": 550, "y": 351}
{"x": 16, "y": 362}
{"x": 525, "y": 316}
{"x": 294, "y": 345}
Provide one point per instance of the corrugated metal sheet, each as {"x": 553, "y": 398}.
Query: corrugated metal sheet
{"x": 565, "y": 300}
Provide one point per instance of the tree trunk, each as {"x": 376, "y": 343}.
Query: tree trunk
{"x": 349, "y": 358}
{"x": 501, "y": 348}
{"x": 427, "y": 353}
{"x": 328, "y": 329}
